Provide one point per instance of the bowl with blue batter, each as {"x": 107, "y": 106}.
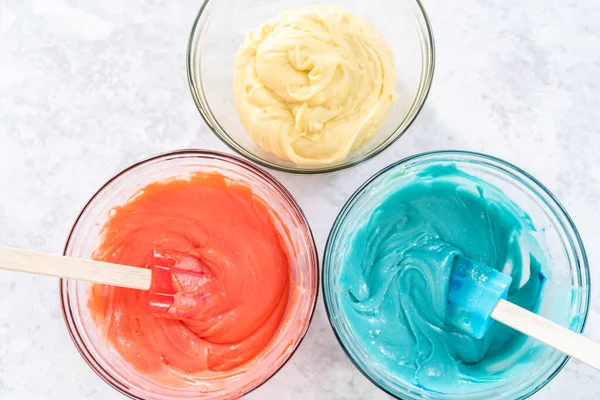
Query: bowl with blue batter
{"x": 387, "y": 267}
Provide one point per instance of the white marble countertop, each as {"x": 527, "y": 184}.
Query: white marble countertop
{"x": 86, "y": 88}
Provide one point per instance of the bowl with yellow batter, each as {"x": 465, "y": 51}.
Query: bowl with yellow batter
{"x": 310, "y": 87}
{"x": 256, "y": 298}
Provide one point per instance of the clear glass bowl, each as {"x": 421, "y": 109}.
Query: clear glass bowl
{"x": 221, "y": 26}
{"x": 85, "y": 236}
{"x": 565, "y": 253}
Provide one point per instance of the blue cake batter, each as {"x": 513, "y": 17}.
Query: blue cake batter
{"x": 394, "y": 280}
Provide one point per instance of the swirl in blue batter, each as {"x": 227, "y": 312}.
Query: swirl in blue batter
{"x": 394, "y": 280}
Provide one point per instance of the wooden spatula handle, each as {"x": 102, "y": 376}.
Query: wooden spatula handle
{"x": 546, "y": 331}
{"x": 74, "y": 268}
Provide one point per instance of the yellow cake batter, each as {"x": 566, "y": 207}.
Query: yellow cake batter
{"x": 314, "y": 84}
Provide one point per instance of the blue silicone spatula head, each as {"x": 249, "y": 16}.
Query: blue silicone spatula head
{"x": 474, "y": 291}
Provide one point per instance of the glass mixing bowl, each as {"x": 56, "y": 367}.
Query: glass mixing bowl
{"x": 563, "y": 247}
{"x": 221, "y": 26}
{"x": 85, "y": 236}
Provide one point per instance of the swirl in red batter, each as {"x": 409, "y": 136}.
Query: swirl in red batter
{"x": 234, "y": 235}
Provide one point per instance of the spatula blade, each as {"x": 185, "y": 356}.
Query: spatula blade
{"x": 474, "y": 291}
{"x": 176, "y": 278}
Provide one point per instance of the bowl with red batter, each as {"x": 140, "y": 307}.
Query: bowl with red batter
{"x": 259, "y": 255}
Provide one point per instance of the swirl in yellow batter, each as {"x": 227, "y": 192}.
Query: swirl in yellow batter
{"x": 314, "y": 84}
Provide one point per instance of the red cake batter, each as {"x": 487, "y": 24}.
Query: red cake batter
{"x": 233, "y": 233}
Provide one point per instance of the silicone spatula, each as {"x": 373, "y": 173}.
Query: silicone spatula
{"x": 477, "y": 296}
{"x": 167, "y": 273}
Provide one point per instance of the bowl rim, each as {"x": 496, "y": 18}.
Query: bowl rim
{"x": 428, "y": 80}
{"x": 68, "y": 317}
{"x": 585, "y": 270}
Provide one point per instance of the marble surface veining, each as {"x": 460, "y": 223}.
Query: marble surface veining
{"x": 87, "y": 88}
